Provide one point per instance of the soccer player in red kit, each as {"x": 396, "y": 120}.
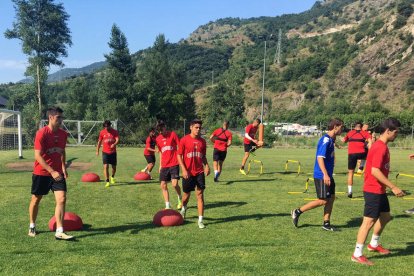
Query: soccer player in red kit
{"x": 357, "y": 139}
{"x": 221, "y": 138}
{"x": 49, "y": 171}
{"x": 109, "y": 137}
{"x": 167, "y": 143}
{"x": 149, "y": 151}
{"x": 250, "y": 143}
{"x": 194, "y": 166}
{"x": 377, "y": 208}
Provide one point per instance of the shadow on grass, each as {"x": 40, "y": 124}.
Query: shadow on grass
{"x": 398, "y": 252}
{"x": 352, "y": 223}
{"x": 291, "y": 172}
{"x": 135, "y": 183}
{"x": 245, "y": 217}
{"x": 252, "y": 179}
{"x": 233, "y": 204}
{"x": 135, "y": 228}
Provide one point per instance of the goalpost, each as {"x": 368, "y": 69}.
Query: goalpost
{"x": 11, "y": 131}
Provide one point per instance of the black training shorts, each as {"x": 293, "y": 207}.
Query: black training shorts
{"x": 41, "y": 185}
{"x": 166, "y": 174}
{"x": 251, "y": 147}
{"x": 324, "y": 191}
{"x": 219, "y": 155}
{"x": 353, "y": 159}
{"x": 150, "y": 158}
{"x": 109, "y": 158}
{"x": 198, "y": 180}
{"x": 375, "y": 204}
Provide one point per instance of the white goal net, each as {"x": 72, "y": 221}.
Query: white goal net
{"x": 11, "y": 131}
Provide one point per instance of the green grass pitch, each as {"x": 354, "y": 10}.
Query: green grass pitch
{"x": 248, "y": 224}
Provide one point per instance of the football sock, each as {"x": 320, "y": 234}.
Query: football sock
{"x": 59, "y": 230}
{"x": 200, "y": 218}
{"x": 215, "y": 173}
{"x": 374, "y": 240}
{"x": 167, "y": 205}
{"x": 349, "y": 189}
{"x": 358, "y": 250}
{"x": 32, "y": 225}
{"x": 362, "y": 165}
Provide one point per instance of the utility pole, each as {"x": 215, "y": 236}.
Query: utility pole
{"x": 263, "y": 83}
{"x": 264, "y": 72}
{"x": 279, "y": 48}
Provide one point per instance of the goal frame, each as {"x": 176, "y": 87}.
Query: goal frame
{"x": 19, "y": 129}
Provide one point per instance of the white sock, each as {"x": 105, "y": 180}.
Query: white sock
{"x": 215, "y": 173}
{"x": 374, "y": 240}
{"x": 184, "y": 208}
{"x": 200, "y": 218}
{"x": 362, "y": 165}
{"x": 349, "y": 189}
{"x": 32, "y": 225}
{"x": 358, "y": 250}
{"x": 167, "y": 205}
{"x": 59, "y": 230}
{"x": 179, "y": 198}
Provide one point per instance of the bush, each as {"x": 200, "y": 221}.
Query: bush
{"x": 404, "y": 9}
{"x": 409, "y": 86}
{"x": 383, "y": 68}
{"x": 400, "y": 22}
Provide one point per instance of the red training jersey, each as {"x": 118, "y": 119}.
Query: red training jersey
{"x": 51, "y": 145}
{"x": 222, "y": 137}
{"x": 251, "y": 130}
{"x": 150, "y": 143}
{"x": 378, "y": 157}
{"x": 356, "y": 140}
{"x": 108, "y": 138}
{"x": 193, "y": 151}
{"x": 167, "y": 146}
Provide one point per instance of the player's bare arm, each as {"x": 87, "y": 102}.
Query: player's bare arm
{"x": 63, "y": 158}
{"x": 326, "y": 178}
{"x": 98, "y": 147}
{"x": 116, "y": 142}
{"x": 212, "y": 139}
{"x": 38, "y": 156}
{"x": 384, "y": 180}
{"x": 206, "y": 166}
{"x": 250, "y": 138}
{"x": 369, "y": 143}
{"x": 182, "y": 165}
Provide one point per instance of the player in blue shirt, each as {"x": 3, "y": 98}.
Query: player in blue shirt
{"x": 322, "y": 174}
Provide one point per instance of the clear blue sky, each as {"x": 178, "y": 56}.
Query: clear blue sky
{"x": 140, "y": 20}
